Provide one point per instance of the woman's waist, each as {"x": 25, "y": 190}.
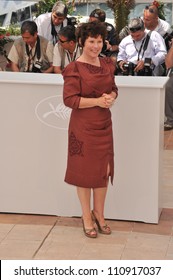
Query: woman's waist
{"x": 91, "y": 113}
{"x": 95, "y": 117}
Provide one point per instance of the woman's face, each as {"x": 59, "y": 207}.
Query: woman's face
{"x": 93, "y": 46}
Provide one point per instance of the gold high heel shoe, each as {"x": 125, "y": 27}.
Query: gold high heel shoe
{"x": 91, "y": 233}
{"x": 102, "y": 229}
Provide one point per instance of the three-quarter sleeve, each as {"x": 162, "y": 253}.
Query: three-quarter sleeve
{"x": 72, "y": 89}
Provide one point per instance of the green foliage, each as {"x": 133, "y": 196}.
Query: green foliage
{"x": 13, "y": 30}
{"x": 160, "y": 6}
{"x": 6, "y": 36}
{"x": 45, "y": 6}
{"x": 4, "y": 39}
{"x": 121, "y": 10}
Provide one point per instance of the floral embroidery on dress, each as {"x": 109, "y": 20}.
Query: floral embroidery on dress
{"x": 75, "y": 146}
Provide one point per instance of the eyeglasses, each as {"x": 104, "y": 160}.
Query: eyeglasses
{"x": 134, "y": 29}
{"x": 61, "y": 41}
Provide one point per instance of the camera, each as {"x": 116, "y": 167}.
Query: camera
{"x": 168, "y": 39}
{"x": 72, "y": 21}
{"x": 129, "y": 68}
{"x": 37, "y": 67}
{"x": 147, "y": 67}
{"x": 147, "y": 70}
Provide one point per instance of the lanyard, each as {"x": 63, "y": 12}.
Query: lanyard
{"x": 54, "y": 32}
{"x": 141, "y": 46}
{"x": 36, "y": 53}
{"x": 74, "y": 55}
{"x": 30, "y": 57}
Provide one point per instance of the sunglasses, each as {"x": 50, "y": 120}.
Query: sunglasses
{"x": 150, "y": 10}
{"x": 61, "y": 41}
{"x": 134, "y": 29}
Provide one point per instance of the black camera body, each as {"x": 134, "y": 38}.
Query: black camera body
{"x": 129, "y": 68}
{"x": 37, "y": 67}
{"x": 147, "y": 67}
{"x": 147, "y": 70}
{"x": 168, "y": 39}
{"x": 72, "y": 21}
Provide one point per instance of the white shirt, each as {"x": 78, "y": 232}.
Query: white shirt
{"x": 57, "y": 56}
{"x": 44, "y": 26}
{"x": 163, "y": 27}
{"x": 129, "y": 50}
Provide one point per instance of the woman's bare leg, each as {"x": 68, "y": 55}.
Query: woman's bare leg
{"x": 99, "y": 203}
{"x": 99, "y": 196}
{"x": 84, "y": 195}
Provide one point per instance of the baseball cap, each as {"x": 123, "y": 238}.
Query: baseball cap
{"x": 99, "y": 14}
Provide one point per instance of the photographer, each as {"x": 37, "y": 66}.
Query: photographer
{"x": 31, "y": 53}
{"x": 146, "y": 50}
{"x": 152, "y": 21}
{"x": 49, "y": 24}
{"x": 66, "y": 50}
{"x": 110, "y": 47}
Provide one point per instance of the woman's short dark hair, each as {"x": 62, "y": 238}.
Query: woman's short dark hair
{"x": 90, "y": 29}
{"x": 29, "y": 26}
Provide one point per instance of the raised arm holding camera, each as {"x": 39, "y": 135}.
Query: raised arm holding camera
{"x": 141, "y": 51}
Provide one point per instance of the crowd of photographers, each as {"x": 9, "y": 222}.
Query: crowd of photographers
{"x": 48, "y": 44}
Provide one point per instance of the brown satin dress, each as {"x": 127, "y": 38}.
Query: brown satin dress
{"x": 90, "y": 137}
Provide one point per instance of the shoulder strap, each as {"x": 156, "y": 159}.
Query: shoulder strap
{"x": 37, "y": 49}
{"x": 147, "y": 41}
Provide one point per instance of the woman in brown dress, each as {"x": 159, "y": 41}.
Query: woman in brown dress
{"x": 90, "y": 90}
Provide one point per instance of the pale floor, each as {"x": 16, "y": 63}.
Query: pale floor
{"x": 50, "y": 237}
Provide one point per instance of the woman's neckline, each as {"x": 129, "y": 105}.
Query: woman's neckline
{"x": 89, "y": 63}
